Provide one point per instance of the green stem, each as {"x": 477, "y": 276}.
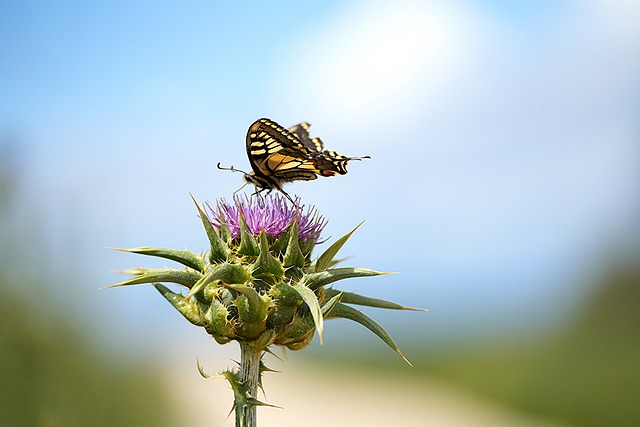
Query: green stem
{"x": 250, "y": 358}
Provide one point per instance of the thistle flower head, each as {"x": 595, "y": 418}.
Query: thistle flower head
{"x": 271, "y": 214}
{"x": 258, "y": 282}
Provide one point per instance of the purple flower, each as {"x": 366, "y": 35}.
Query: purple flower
{"x": 271, "y": 214}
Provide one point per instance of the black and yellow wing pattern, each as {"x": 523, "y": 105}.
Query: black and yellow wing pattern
{"x": 278, "y": 155}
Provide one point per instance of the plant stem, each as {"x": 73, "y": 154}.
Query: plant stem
{"x": 250, "y": 358}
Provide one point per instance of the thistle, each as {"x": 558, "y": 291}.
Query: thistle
{"x": 259, "y": 285}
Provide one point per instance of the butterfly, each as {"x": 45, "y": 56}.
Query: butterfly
{"x": 278, "y": 155}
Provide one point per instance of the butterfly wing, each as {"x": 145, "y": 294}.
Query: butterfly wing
{"x": 326, "y": 162}
{"x": 278, "y": 155}
{"x": 330, "y": 163}
{"x": 302, "y": 132}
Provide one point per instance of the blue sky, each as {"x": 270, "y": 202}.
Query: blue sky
{"x": 504, "y": 140}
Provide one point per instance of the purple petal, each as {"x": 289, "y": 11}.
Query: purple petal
{"x": 271, "y": 214}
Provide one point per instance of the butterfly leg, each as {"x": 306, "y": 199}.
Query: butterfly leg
{"x": 269, "y": 190}
{"x": 245, "y": 184}
{"x": 258, "y": 195}
{"x": 287, "y": 196}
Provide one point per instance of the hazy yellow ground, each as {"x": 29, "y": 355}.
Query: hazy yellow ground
{"x": 343, "y": 399}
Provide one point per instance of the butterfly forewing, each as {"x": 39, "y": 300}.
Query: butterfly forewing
{"x": 288, "y": 168}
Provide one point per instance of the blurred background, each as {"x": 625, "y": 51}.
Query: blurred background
{"x": 503, "y": 187}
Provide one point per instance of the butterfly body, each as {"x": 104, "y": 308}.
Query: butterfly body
{"x": 278, "y": 155}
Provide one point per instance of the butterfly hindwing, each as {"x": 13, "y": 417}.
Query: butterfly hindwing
{"x": 330, "y": 163}
{"x": 302, "y": 132}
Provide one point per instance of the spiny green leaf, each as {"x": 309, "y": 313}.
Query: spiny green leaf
{"x": 327, "y": 256}
{"x": 228, "y": 273}
{"x": 268, "y": 350}
{"x": 219, "y": 249}
{"x": 203, "y": 374}
{"x": 310, "y": 298}
{"x": 252, "y": 401}
{"x": 252, "y": 311}
{"x": 328, "y": 306}
{"x": 297, "y": 333}
{"x": 307, "y": 246}
{"x": 281, "y": 315}
{"x": 338, "y": 261}
{"x": 184, "y": 278}
{"x": 241, "y": 396}
{"x": 184, "y": 257}
{"x": 225, "y": 233}
{"x": 346, "y": 312}
{"x": 257, "y": 303}
{"x": 217, "y": 318}
{"x": 248, "y": 245}
{"x": 353, "y": 298}
{"x": 265, "y": 340}
{"x": 200, "y": 284}
{"x": 280, "y": 245}
{"x": 284, "y": 294}
{"x": 293, "y": 257}
{"x": 263, "y": 369}
{"x": 191, "y": 310}
{"x": 323, "y": 278}
{"x": 137, "y": 271}
{"x": 266, "y": 267}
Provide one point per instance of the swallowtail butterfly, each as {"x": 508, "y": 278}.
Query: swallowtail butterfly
{"x": 278, "y": 155}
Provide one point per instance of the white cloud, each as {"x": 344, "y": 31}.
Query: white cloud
{"x": 378, "y": 59}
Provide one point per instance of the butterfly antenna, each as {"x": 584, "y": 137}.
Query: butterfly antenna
{"x": 231, "y": 169}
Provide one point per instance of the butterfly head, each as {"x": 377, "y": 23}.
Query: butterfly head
{"x": 262, "y": 182}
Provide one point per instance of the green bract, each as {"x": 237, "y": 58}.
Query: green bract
{"x": 258, "y": 288}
